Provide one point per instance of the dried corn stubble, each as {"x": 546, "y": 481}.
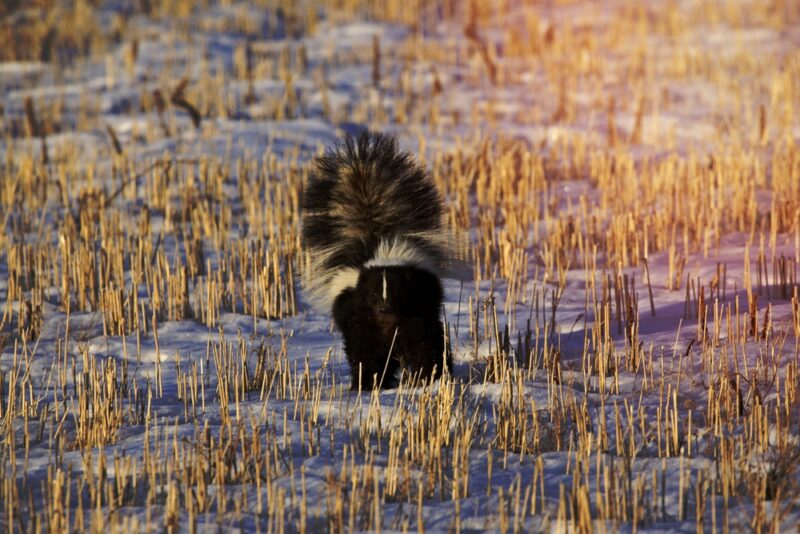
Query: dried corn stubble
{"x": 577, "y": 409}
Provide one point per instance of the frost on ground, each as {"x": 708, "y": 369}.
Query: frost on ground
{"x": 624, "y": 181}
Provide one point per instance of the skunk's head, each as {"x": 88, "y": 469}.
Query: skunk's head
{"x": 385, "y": 290}
{"x": 394, "y": 292}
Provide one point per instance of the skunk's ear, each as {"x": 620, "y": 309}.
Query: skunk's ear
{"x": 344, "y": 307}
{"x": 426, "y": 288}
{"x": 363, "y": 280}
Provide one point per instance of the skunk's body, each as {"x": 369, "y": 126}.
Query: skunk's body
{"x": 372, "y": 226}
{"x": 385, "y": 300}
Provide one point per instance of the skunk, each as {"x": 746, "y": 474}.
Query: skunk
{"x": 372, "y": 228}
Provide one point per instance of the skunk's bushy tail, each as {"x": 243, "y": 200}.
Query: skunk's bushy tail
{"x": 368, "y": 203}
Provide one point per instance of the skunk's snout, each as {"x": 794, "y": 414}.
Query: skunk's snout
{"x": 384, "y": 310}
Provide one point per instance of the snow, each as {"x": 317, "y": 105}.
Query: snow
{"x": 685, "y": 119}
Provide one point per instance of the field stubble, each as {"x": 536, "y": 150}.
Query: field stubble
{"x": 624, "y": 185}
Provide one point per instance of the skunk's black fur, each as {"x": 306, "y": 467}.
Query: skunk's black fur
{"x": 405, "y": 300}
{"x": 372, "y": 227}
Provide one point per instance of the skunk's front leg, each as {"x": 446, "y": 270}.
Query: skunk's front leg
{"x": 364, "y": 346}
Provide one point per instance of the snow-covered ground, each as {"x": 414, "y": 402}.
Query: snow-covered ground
{"x": 584, "y": 148}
